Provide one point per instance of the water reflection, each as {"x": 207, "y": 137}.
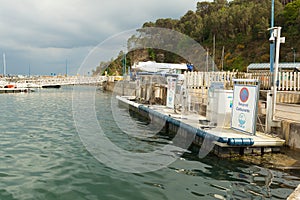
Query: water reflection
{"x": 236, "y": 179}
{"x": 42, "y": 157}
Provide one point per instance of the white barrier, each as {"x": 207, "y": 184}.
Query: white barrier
{"x": 288, "y": 81}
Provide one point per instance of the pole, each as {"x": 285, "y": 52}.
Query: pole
{"x": 66, "y": 67}
{"x": 124, "y": 64}
{"x": 272, "y": 45}
{"x": 4, "y": 65}
{"x": 222, "y": 61}
{"x": 207, "y": 52}
{"x": 276, "y": 81}
{"x": 214, "y": 52}
{"x": 294, "y": 51}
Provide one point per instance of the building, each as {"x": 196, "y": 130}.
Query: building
{"x": 284, "y": 67}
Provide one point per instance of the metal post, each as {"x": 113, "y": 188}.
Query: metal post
{"x": 125, "y": 64}
{"x": 222, "y": 60}
{"x": 276, "y": 81}
{"x": 269, "y": 114}
{"x": 214, "y": 52}
{"x": 294, "y": 51}
{"x": 207, "y": 60}
{"x": 272, "y": 45}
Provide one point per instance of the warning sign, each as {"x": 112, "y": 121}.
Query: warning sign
{"x": 244, "y": 110}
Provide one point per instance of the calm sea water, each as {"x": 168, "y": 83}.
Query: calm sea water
{"x": 42, "y": 157}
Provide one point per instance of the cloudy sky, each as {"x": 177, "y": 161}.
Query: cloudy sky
{"x": 44, "y": 35}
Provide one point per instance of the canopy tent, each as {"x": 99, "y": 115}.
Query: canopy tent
{"x": 155, "y": 67}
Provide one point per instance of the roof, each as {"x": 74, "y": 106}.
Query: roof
{"x": 262, "y": 66}
{"x": 158, "y": 67}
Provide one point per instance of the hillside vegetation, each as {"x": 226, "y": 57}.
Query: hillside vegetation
{"x": 239, "y": 27}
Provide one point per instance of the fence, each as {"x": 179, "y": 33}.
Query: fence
{"x": 288, "y": 81}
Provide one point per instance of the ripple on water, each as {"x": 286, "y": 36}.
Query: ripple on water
{"x": 42, "y": 157}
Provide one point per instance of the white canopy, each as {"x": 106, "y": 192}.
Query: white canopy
{"x": 151, "y": 66}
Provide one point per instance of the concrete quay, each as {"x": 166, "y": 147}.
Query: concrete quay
{"x": 295, "y": 195}
{"x": 289, "y": 115}
{"x": 222, "y": 141}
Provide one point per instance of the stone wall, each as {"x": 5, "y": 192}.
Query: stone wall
{"x": 121, "y": 88}
{"x": 290, "y": 132}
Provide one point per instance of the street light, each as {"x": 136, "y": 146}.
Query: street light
{"x": 294, "y": 51}
{"x": 275, "y": 37}
{"x": 272, "y": 45}
{"x": 124, "y": 64}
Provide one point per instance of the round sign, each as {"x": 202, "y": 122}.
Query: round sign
{"x": 244, "y": 94}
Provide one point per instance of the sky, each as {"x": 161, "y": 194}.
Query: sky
{"x": 44, "y": 37}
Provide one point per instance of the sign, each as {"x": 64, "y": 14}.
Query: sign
{"x": 244, "y": 108}
{"x": 171, "y": 91}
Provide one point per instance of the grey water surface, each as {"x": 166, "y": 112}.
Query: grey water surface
{"x": 42, "y": 157}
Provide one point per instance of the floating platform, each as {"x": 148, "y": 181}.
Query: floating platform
{"x": 226, "y": 142}
{"x": 15, "y": 90}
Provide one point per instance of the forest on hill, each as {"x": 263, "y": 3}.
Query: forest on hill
{"x": 236, "y": 30}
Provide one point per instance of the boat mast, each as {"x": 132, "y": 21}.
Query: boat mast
{"x": 66, "y": 67}
{"x": 4, "y": 65}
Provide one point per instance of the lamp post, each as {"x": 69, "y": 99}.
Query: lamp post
{"x": 272, "y": 45}
{"x": 275, "y": 37}
{"x": 294, "y": 51}
{"x": 124, "y": 64}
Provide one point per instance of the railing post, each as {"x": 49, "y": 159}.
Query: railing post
{"x": 291, "y": 81}
{"x": 295, "y": 81}
{"x": 298, "y": 80}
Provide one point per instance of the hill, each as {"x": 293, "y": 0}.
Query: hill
{"x": 239, "y": 29}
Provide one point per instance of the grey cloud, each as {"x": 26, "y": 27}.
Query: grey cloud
{"x": 46, "y": 31}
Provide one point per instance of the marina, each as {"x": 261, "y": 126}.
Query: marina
{"x": 50, "y": 81}
{"x": 201, "y": 100}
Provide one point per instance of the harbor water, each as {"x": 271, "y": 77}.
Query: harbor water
{"x": 42, "y": 156}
